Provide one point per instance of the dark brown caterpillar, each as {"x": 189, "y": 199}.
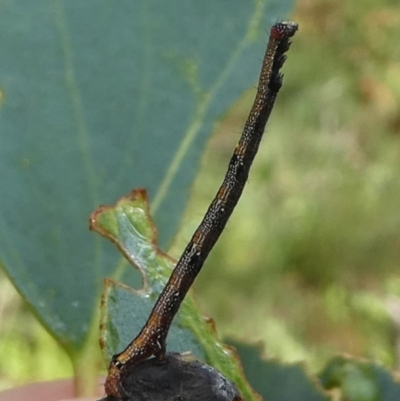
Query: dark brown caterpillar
{"x": 152, "y": 338}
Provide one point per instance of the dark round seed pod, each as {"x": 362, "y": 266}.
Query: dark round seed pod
{"x": 175, "y": 379}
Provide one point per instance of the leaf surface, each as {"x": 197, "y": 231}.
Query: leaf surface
{"x": 99, "y": 97}
{"x": 277, "y": 381}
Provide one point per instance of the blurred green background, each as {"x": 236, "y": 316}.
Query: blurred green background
{"x": 309, "y": 263}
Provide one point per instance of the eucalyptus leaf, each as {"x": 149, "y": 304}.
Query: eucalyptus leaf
{"x": 99, "y": 97}
{"x": 279, "y": 381}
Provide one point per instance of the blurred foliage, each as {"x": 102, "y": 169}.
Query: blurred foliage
{"x": 27, "y": 352}
{"x": 312, "y": 252}
{"x": 313, "y": 249}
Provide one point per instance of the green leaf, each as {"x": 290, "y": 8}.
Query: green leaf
{"x": 360, "y": 380}
{"x": 276, "y": 381}
{"x": 129, "y": 226}
{"x": 100, "y": 97}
